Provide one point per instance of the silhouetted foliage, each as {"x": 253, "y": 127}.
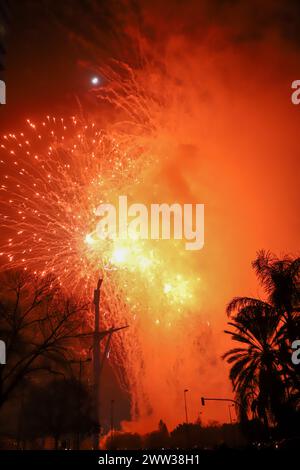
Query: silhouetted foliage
{"x": 39, "y": 326}
{"x": 264, "y": 378}
{"x": 158, "y": 439}
{"x": 64, "y": 409}
{"x": 191, "y": 435}
{"x": 124, "y": 441}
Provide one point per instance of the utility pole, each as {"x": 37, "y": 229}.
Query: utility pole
{"x": 98, "y": 363}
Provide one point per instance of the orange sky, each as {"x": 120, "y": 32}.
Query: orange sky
{"x": 227, "y": 136}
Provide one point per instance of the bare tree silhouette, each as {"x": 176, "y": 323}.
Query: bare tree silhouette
{"x": 39, "y": 326}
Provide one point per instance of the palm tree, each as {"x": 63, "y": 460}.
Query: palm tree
{"x": 261, "y": 371}
{"x": 254, "y": 371}
{"x": 280, "y": 279}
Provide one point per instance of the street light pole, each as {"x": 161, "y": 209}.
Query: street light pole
{"x": 98, "y": 335}
{"x": 185, "y": 406}
{"x": 96, "y": 364}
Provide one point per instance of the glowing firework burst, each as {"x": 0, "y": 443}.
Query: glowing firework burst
{"x": 54, "y": 176}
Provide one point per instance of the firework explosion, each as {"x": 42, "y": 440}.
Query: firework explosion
{"x": 47, "y": 195}
{"x": 55, "y": 175}
{"x": 54, "y": 179}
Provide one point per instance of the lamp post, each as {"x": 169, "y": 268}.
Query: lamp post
{"x": 185, "y": 406}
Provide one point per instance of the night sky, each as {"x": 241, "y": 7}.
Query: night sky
{"x": 237, "y": 148}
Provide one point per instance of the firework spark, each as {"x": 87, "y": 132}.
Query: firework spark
{"x": 54, "y": 177}
{"x": 55, "y": 174}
